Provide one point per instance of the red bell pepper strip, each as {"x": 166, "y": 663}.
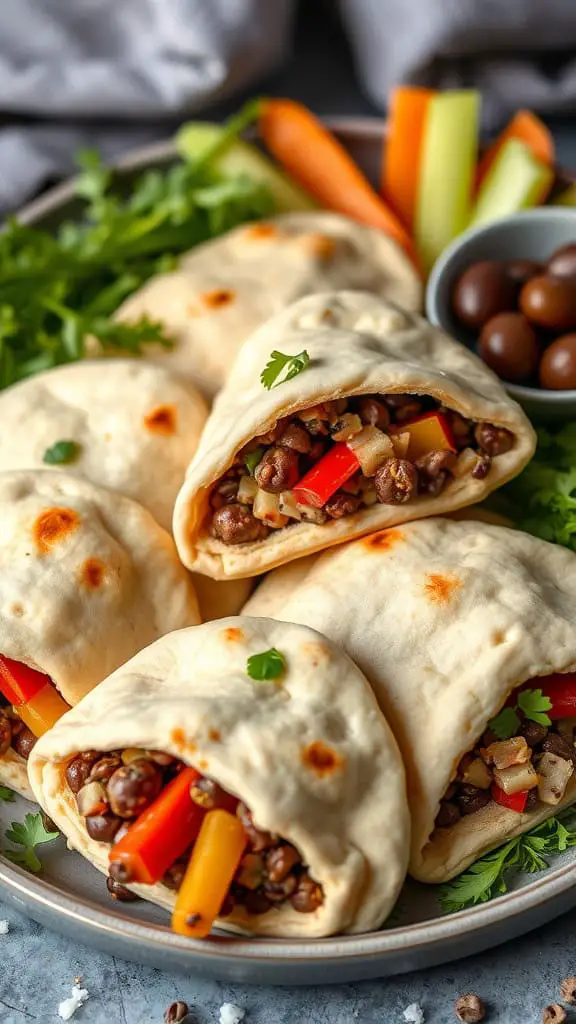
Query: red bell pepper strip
{"x": 38, "y": 702}
{"x": 513, "y": 801}
{"x": 561, "y": 689}
{"x": 160, "y": 835}
{"x": 324, "y": 479}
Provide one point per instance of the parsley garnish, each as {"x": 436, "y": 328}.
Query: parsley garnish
{"x": 533, "y": 703}
{"x": 253, "y": 458}
{"x": 6, "y": 795}
{"x": 28, "y": 835}
{"x": 267, "y": 665}
{"x": 61, "y": 452}
{"x": 278, "y": 363}
{"x": 488, "y": 877}
{"x": 58, "y": 290}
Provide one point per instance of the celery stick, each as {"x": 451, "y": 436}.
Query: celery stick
{"x": 566, "y": 198}
{"x": 515, "y": 181}
{"x": 447, "y": 168}
{"x": 239, "y": 157}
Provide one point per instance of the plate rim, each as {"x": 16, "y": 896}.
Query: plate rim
{"x": 28, "y": 892}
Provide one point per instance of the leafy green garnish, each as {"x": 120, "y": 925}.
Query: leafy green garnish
{"x": 542, "y": 500}
{"x": 7, "y": 796}
{"x": 61, "y": 452}
{"x": 488, "y": 877}
{"x": 253, "y": 458}
{"x": 267, "y": 665}
{"x": 28, "y": 835}
{"x": 533, "y": 703}
{"x": 283, "y": 366}
{"x": 58, "y": 292}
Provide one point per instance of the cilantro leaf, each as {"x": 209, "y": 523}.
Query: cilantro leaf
{"x": 267, "y": 665}
{"x": 506, "y": 724}
{"x": 28, "y": 835}
{"x": 61, "y": 452}
{"x": 253, "y": 458}
{"x": 488, "y": 876}
{"x": 7, "y": 796}
{"x": 534, "y": 705}
{"x": 283, "y": 366}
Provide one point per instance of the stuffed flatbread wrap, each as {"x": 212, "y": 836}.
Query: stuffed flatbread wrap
{"x": 376, "y": 418}
{"x": 224, "y": 289}
{"x": 466, "y": 633}
{"x": 87, "y": 578}
{"x": 296, "y": 765}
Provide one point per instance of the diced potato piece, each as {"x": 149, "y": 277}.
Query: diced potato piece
{"x": 553, "y": 776}
{"x": 447, "y": 168}
{"x": 505, "y": 753}
{"x": 371, "y": 447}
{"x": 477, "y": 774}
{"x": 348, "y": 425}
{"x": 247, "y": 490}
{"x": 465, "y": 463}
{"x": 267, "y": 508}
{"x": 516, "y": 779}
{"x": 401, "y": 444}
{"x": 289, "y": 506}
{"x": 515, "y": 181}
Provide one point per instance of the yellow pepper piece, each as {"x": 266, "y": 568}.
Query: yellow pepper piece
{"x": 43, "y": 710}
{"x": 427, "y": 434}
{"x": 216, "y": 855}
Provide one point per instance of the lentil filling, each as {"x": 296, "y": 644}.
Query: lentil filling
{"x": 113, "y": 789}
{"x": 13, "y": 733}
{"x": 341, "y": 456}
{"x": 526, "y": 770}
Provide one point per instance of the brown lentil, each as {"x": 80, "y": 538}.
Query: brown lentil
{"x": 277, "y": 471}
{"x": 340, "y": 505}
{"x": 235, "y": 524}
{"x": 568, "y": 991}
{"x": 396, "y": 481}
{"x": 470, "y": 1009}
{"x": 554, "y": 1014}
{"x": 79, "y": 768}
{"x": 133, "y": 787}
{"x": 5, "y": 733}
{"x": 308, "y": 896}
{"x": 493, "y": 440}
{"x": 176, "y": 1013}
{"x": 120, "y": 892}
{"x": 23, "y": 742}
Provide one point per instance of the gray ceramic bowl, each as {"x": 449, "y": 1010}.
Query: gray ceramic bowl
{"x": 535, "y": 235}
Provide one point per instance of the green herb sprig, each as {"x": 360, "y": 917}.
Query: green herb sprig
{"x": 27, "y": 836}
{"x": 61, "y": 453}
{"x": 253, "y": 458}
{"x": 489, "y": 876}
{"x": 284, "y": 367}
{"x": 58, "y": 292}
{"x": 267, "y": 665}
{"x": 533, "y": 703}
{"x": 542, "y": 499}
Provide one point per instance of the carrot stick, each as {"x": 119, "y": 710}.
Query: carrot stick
{"x": 402, "y": 148}
{"x": 317, "y": 161}
{"x": 530, "y": 130}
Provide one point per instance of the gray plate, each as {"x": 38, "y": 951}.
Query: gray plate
{"x": 71, "y": 897}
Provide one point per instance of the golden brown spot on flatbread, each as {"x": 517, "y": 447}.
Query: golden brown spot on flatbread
{"x": 17, "y": 610}
{"x": 214, "y": 735}
{"x": 260, "y": 231}
{"x": 203, "y": 765}
{"x": 52, "y": 526}
{"x": 440, "y": 589}
{"x": 317, "y": 652}
{"x": 233, "y": 635}
{"x": 178, "y": 738}
{"x": 218, "y": 297}
{"x": 92, "y": 573}
{"x": 321, "y": 759}
{"x": 161, "y": 420}
{"x": 497, "y": 638}
{"x": 321, "y": 246}
{"x": 383, "y": 541}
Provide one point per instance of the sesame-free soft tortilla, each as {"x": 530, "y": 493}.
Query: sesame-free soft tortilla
{"x": 190, "y": 695}
{"x": 87, "y": 578}
{"x": 224, "y": 289}
{"x": 136, "y": 426}
{"x": 445, "y": 619}
{"x": 357, "y": 344}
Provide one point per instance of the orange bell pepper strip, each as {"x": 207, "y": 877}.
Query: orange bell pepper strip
{"x": 402, "y": 147}
{"x": 215, "y": 858}
{"x": 526, "y": 128}
{"x": 160, "y": 835}
{"x": 317, "y": 161}
{"x": 33, "y": 694}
